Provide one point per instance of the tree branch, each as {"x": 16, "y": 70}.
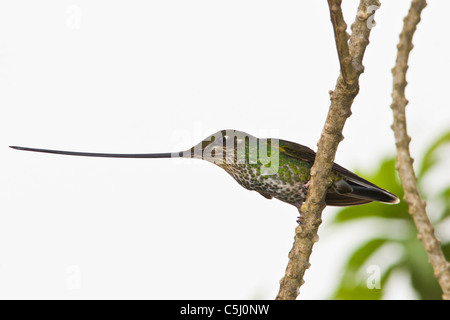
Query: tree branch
{"x": 417, "y": 206}
{"x": 342, "y": 37}
{"x": 346, "y": 89}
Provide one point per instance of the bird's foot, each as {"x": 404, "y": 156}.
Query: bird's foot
{"x": 306, "y": 185}
{"x": 300, "y": 218}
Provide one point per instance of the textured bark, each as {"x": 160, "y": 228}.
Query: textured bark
{"x": 351, "y": 51}
{"x": 417, "y": 206}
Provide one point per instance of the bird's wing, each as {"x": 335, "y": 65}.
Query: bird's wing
{"x": 362, "y": 190}
{"x": 297, "y": 151}
{"x": 306, "y": 154}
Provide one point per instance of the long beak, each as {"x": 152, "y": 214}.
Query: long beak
{"x": 104, "y": 155}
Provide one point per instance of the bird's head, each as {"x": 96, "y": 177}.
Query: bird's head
{"x": 222, "y": 147}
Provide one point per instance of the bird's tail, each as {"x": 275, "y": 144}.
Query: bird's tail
{"x": 361, "y": 194}
{"x": 373, "y": 194}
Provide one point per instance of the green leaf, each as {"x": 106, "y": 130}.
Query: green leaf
{"x": 378, "y": 210}
{"x": 360, "y": 291}
{"x": 446, "y": 250}
{"x": 429, "y": 158}
{"x": 444, "y": 196}
{"x": 364, "y": 252}
{"x": 351, "y": 286}
{"x": 421, "y": 272}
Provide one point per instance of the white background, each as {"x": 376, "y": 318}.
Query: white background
{"x": 157, "y": 76}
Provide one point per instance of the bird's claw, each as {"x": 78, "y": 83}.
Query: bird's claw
{"x": 306, "y": 185}
{"x": 300, "y": 217}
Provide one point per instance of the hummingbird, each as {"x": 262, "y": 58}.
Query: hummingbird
{"x": 274, "y": 168}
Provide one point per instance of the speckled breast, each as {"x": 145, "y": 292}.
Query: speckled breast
{"x": 286, "y": 185}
